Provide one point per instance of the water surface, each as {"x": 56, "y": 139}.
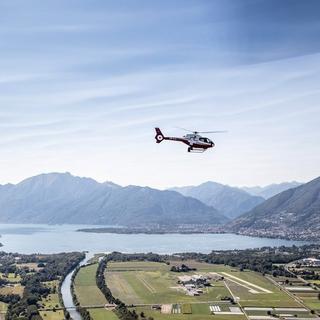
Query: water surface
{"x": 33, "y": 238}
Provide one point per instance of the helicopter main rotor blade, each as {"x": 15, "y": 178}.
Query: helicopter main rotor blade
{"x": 195, "y": 131}
{"x": 184, "y": 129}
{"x": 220, "y": 131}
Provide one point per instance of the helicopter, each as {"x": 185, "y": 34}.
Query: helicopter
{"x": 196, "y": 143}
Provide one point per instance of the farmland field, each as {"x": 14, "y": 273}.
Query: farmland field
{"x": 52, "y": 315}
{"x": 3, "y": 307}
{"x": 11, "y": 277}
{"x": 199, "y": 312}
{"x": 86, "y": 289}
{"x": 150, "y": 282}
{"x": 311, "y": 300}
{"x": 15, "y": 289}
{"x": 50, "y": 301}
{"x": 274, "y": 298}
{"x": 102, "y": 314}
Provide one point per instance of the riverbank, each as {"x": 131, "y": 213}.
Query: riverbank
{"x": 88, "y": 298}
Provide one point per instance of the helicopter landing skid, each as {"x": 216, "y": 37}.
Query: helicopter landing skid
{"x": 196, "y": 150}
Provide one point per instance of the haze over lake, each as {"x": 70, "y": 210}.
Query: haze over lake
{"x": 39, "y": 238}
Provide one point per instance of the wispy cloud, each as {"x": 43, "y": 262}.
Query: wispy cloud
{"x": 82, "y": 87}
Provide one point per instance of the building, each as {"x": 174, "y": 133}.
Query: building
{"x": 310, "y": 262}
{"x": 196, "y": 280}
{"x": 193, "y": 284}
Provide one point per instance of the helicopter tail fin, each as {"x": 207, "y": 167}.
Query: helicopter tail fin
{"x": 159, "y": 135}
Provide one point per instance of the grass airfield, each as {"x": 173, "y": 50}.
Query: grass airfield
{"x": 143, "y": 284}
{"x": 272, "y": 297}
{"x": 153, "y": 283}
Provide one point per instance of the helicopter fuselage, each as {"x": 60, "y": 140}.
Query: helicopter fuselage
{"x": 196, "y": 142}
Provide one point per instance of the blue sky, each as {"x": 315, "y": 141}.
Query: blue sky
{"x": 83, "y": 84}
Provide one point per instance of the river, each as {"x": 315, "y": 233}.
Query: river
{"x": 66, "y": 291}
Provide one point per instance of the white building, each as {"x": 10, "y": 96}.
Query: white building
{"x": 311, "y": 262}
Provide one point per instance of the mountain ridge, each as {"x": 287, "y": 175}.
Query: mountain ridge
{"x": 63, "y": 198}
{"x": 271, "y": 190}
{"x": 292, "y": 213}
{"x": 230, "y": 201}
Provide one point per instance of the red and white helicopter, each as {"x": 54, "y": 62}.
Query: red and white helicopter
{"x": 194, "y": 140}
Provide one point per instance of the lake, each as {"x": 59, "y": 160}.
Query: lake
{"x": 41, "y": 238}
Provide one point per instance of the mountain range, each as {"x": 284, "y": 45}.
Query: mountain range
{"x": 63, "y": 198}
{"x": 230, "y": 201}
{"x": 58, "y": 198}
{"x": 272, "y": 189}
{"x": 292, "y": 213}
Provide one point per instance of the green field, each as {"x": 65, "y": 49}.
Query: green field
{"x": 11, "y": 277}
{"x": 16, "y": 289}
{"x": 277, "y": 297}
{"x": 50, "y": 302}
{"x": 52, "y": 315}
{"x": 51, "y": 284}
{"x": 136, "y": 266}
{"x": 186, "y": 308}
{"x": 3, "y": 307}
{"x": 154, "y": 283}
{"x": 294, "y": 313}
{"x": 199, "y": 312}
{"x": 311, "y": 300}
{"x": 86, "y": 290}
{"x": 102, "y": 314}
{"x": 150, "y": 282}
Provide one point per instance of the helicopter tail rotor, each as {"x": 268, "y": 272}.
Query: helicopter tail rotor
{"x": 159, "y": 135}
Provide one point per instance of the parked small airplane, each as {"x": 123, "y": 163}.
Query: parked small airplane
{"x": 194, "y": 140}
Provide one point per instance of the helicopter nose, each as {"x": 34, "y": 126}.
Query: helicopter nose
{"x": 212, "y": 144}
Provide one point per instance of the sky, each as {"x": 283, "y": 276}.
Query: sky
{"x": 84, "y": 83}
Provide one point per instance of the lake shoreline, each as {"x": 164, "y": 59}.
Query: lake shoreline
{"x": 147, "y": 231}
{"x": 163, "y": 231}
